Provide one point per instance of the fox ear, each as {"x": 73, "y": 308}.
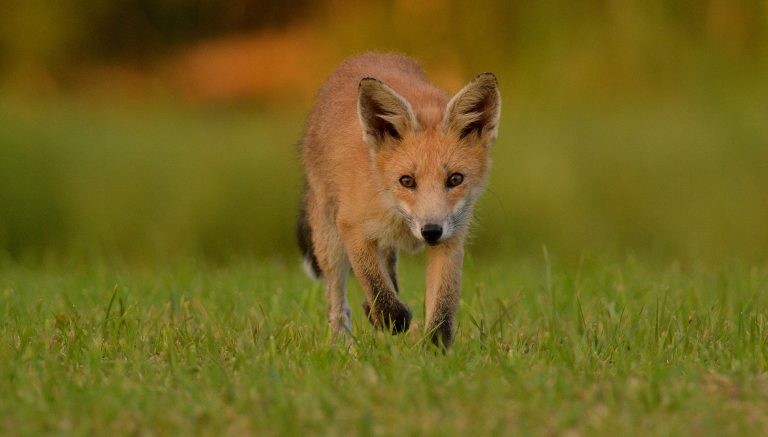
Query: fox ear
{"x": 475, "y": 109}
{"x": 383, "y": 113}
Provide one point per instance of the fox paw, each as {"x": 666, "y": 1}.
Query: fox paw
{"x": 441, "y": 334}
{"x": 395, "y": 317}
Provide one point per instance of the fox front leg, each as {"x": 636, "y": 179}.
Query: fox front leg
{"x": 443, "y": 291}
{"x": 386, "y": 309}
{"x": 334, "y": 266}
{"x": 390, "y": 259}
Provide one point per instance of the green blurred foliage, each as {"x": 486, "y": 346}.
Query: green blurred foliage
{"x": 686, "y": 181}
{"x": 627, "y": 125}
{"x": 56, "y": 33}
{"x": 140, "y": 183}
{"x": 615, "y": 42}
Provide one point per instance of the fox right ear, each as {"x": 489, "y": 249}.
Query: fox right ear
{"x": 384, "y": 114}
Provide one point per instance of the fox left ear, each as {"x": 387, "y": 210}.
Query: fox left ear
{"x": 474, "y": 111}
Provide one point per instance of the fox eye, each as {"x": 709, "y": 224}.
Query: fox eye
{"x": 407, "y": 182}
{"x": 455, "y": 180}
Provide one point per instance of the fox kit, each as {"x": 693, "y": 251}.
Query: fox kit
{"x": 393, "y": 163}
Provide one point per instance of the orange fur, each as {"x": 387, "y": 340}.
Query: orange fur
{"x": 377, "y": 119}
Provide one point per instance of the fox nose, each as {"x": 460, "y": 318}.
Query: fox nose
{"x": 431, "y": 233}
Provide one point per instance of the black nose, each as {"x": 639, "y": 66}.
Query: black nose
{"x": 431, "y": 233}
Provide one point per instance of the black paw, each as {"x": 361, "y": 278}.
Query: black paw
{"x": 395, "y": 317}
{"x": 442, "y": 335}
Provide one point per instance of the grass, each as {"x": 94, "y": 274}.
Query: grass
{"x": 676, "y": 176}
{"x": 140, "y": 340}
{"x": 607, "y": 347}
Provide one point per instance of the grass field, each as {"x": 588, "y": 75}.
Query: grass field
{"x": 109, "y": 326}
{"x": 617, "y": 276}
{"x": 617, "y": 347}
{"x": 671, "y": 177}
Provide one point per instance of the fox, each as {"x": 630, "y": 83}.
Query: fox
{"x": 393, "y": 163}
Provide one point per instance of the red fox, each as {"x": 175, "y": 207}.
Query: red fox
{"x": 392, "y": 163}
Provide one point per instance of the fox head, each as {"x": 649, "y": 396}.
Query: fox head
{"x": 431, "y": 173}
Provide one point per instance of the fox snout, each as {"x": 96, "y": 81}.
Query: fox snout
{"x": 431, "y": 229}
{"x": 431, "y": 233}
{"x": 434, "y": 228}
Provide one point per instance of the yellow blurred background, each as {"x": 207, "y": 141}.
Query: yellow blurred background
{"x": 150, "y": 129}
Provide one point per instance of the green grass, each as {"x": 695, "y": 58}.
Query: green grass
{"x": 609, "y": 347}
{"x": 675, "y": 176}
{"x": 137, "y": 339}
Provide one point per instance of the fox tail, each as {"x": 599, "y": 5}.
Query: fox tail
{"x": 304, "y": 234}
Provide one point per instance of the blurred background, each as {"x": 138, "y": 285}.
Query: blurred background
{"x": 151, "y": 129}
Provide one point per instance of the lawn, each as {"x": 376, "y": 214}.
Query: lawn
{"x": 679, "y": 177}
{"x": 109, "y": 326}
{"x": 606, "y": 346}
